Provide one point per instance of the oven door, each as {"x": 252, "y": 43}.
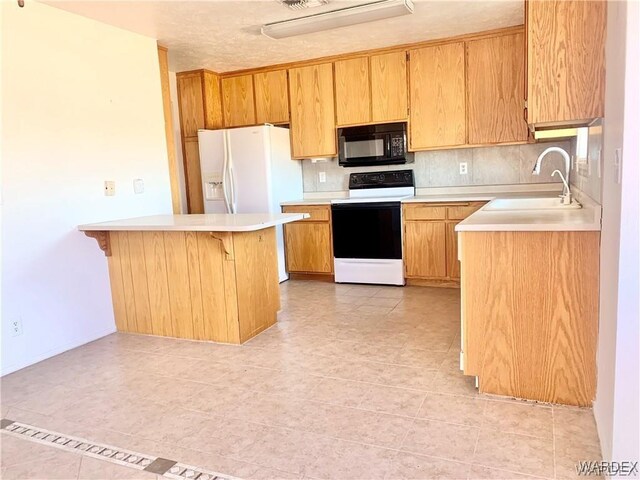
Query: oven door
{"x": 370, "y": 149}
{"x": 367, "y": 230}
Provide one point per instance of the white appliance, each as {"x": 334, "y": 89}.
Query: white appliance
{"x": 249, "y": 170}
{"x": 367, "y": 228}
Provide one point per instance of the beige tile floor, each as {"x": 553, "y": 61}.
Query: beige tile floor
{"x": 354, "y": 382}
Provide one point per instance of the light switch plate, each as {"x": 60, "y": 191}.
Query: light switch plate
{"x": 322, "y": 177}
{"x": 138, "y": 186}
{"x": 109, "y": 188}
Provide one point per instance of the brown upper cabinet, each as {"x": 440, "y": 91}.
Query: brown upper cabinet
{"x": 353, "y": 91}
{"x": 272, "y": 97}
{"x": 313, "y": 132}
{"x": 495, "y": 90}
{"x": 437, "y": 96}
{"x": 565, "y": 61}
{"x": 200, "y": 107}
{"x": 238, "y": 104}
{"x": 389, "y": 87}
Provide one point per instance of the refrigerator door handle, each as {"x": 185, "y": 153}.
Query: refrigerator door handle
{"x": 232, "y": 185}
{"x": 225, "y": 166}
{"x": 234, "y": 198}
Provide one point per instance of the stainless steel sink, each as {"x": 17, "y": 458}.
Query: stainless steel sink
{"x": 541, "y": 203}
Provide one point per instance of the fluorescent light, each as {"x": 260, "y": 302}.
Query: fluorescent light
{"x": 555, "y": 133}
{"x": 343, "y": 17}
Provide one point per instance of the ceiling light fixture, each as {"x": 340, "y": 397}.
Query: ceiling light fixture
{"x": 343, "y": 17}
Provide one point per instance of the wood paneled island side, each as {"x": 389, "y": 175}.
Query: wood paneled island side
{"x": 200, "y": 277}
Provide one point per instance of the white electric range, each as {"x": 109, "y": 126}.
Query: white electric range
{"x": 367, "y": 228}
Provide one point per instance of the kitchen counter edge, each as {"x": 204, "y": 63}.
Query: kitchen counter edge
{"x": 196, "y": 223}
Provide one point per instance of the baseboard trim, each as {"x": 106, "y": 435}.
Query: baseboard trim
{"x": 424, "y": 282}
{"x": 322, "y": 277}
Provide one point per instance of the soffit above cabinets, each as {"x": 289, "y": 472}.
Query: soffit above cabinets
{"x": 225, "y": 35}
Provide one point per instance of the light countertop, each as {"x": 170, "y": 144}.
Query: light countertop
{"x": 309, "y": 201}
{"x": 586, "y": 218}
{"x": 583, "y": 219}
{"x": 470, "y": 196}
{"x": 217, "y": 222}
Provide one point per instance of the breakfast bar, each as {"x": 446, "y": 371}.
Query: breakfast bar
{"x": 202, "y": 277}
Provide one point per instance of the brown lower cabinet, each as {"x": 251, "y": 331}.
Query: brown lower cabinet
{"x": 430, "y": 241}
{"x": 530, "y": 313}
{"x": 308, "y": 243}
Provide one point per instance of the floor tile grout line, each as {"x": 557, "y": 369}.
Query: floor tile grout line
{"x": 79, "y": 467}
{"x": 553, "y": 443}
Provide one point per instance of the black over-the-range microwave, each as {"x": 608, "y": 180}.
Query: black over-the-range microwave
{"x": 383, "y": 144}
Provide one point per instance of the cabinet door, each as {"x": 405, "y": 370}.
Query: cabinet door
{"x": 191, "y": 105}
{"x": 437, "y": 92}
{"x": 237, "y": 101}
{"x": 353, "y": 91}
{"x": 308, "y": 247}
{"x": 312, "y": 113}
{"x": 453, "y": 265}
{"x": 495, "y": 89}
{"x": 565, "y": 60}
{"x": 192, "y": 174}
{"x": 425, "y": 249}
{"x": 272, "y": 97}
{"x": 389, "y": 87}
{"x": 212, "y": 101}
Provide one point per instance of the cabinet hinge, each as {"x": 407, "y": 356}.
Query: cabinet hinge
{"x": 526, "y": 104}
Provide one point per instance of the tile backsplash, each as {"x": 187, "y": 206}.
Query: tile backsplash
{"x": 587, "y": 174}
{"x": 502, "y": 165}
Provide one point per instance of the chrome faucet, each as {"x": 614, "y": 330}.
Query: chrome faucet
{"x": 566, "y": 191}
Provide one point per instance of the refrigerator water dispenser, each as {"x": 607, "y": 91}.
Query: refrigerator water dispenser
{"x": 213, "y": 187}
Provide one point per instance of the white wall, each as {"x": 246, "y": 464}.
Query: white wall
{"x": 617, "y": 401}
{"x": 81, "y": 104}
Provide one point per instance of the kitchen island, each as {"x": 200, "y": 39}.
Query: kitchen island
{"x": 200, "y": 277}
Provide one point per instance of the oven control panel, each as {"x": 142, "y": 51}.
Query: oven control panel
{"x": 387, "y": 179}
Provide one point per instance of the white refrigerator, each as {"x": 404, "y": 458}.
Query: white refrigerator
{"x": 249, "y": 170}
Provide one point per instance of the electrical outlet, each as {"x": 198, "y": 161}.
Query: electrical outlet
{"x": 109, "y": 188}
{"x": 617, "y": 163}
{"x": 322, "y": 177}
{"x": 16, "y": 327}
{"x": 463, "y": 168}
{"x": 138, "y": 186}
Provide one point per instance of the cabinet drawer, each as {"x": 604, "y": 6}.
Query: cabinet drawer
{"x": 424, "y": 212}
{"x": 460, "y": 212}
{"x": 317, "y": 213}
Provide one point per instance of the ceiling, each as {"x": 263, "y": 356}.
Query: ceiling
{"x": 225, "y": 35}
